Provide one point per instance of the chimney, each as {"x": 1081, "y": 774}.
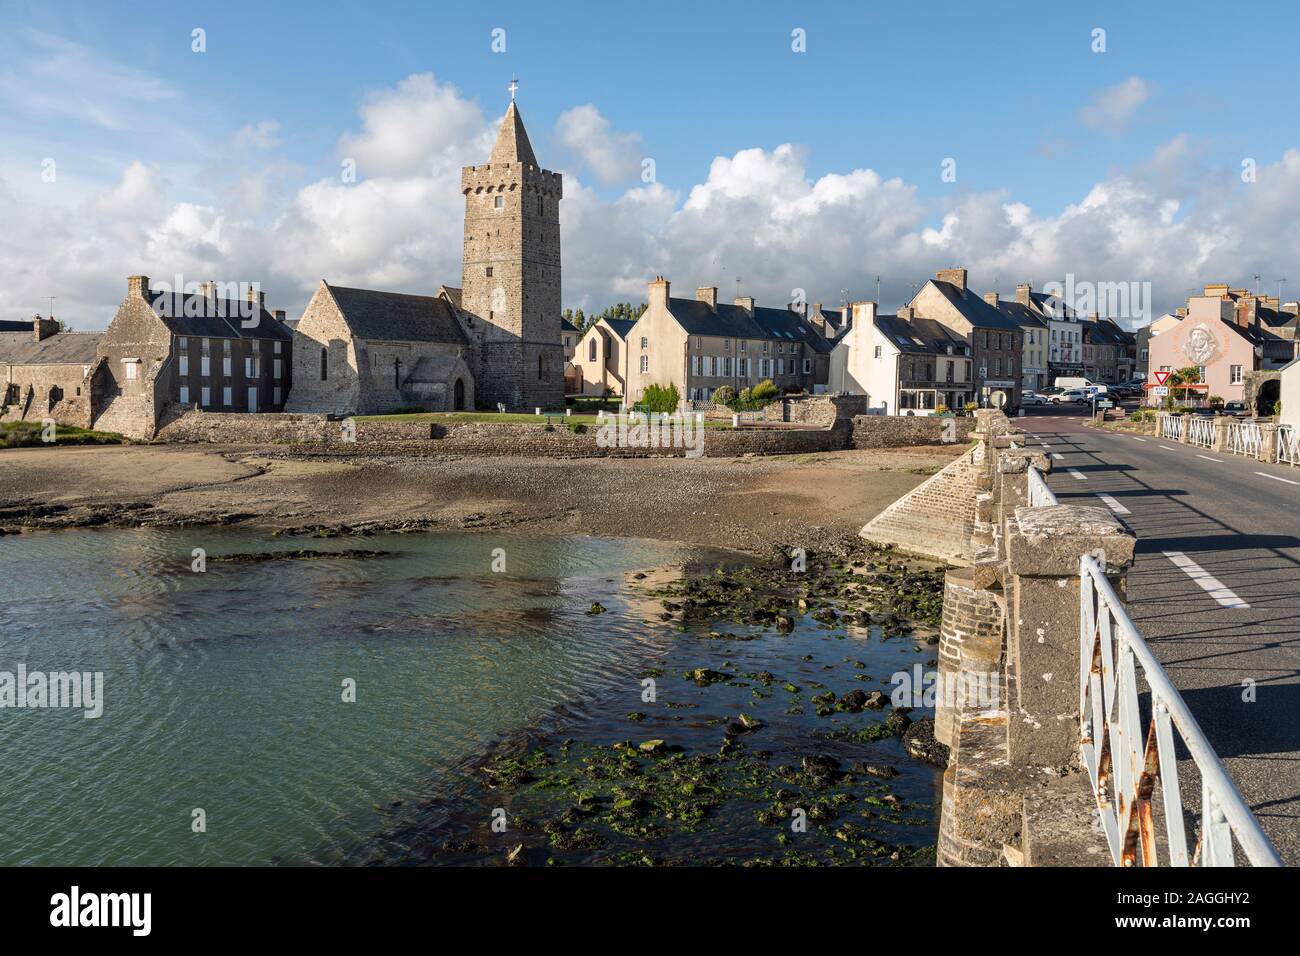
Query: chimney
{"x": 658, "y": 293}
{"x": 1291, "y": 307}
{"x": 1218, "y": 290}
{"x": 906, "y": 312}
{"x": 991, "y": 298}
{"x": 256, "y": 295}
{"x": 279, "y": 315}
{"x": 746, "y": 302}
{"x": 43, "y": 328}
{"x": 709, "y": 296}
{"x": 955, "y": 276}
{"x": 1024, "y": 293}
{"x": 138, "y": 285}
{"x": 1181, "y": 311}
{"x": 864, "y": 311}
{"x": 816, "y": 319}
{"x": 207, "y": 288}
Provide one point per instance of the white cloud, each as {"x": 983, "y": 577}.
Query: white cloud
{"x": 613, "y": 157}
{"x": 1114, "y": 106}
{"x": 758, "y": 215}
{"x": 263, "y": 135}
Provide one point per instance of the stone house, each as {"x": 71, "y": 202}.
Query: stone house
{"x": 601, "y": 357}
{"x": 569, "y": 335}
{"x": 45, "y": 373}
{"x": 995, "y": 339}
{"x": 363, "y": 352}
{"x": 699, "y": 345}
{"x": 1034, "y": 371}
{"x": 199, "y": 349}
{"x": 1225, "y": 339}
{"x": 903, "y": 366}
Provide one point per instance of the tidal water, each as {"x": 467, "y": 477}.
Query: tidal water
{"x": 223, "y": 690}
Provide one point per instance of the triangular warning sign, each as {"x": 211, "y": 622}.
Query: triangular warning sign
{"x": 1162, "y": 377}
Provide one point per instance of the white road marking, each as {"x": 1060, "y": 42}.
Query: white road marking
{"x": 1211, "y": 585}
{"x": 1264, "y": 474}
{"x": 1078, "y": 474}
{"x": 1135, "y": 438}
{"x": 1169, "y": 448}
{"x": 1056, "y": 454}
{"x": 1114, "y": 505}
{"x": 1208, "y": 458}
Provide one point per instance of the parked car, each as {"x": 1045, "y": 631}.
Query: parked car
{"x": 1076, "y": 396}
{"x": 1032, "y": 398}
{"x": 1237, "y": 409}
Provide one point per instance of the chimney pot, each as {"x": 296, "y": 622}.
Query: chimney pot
{"x": 1024, "y": 293}
{"x": 991, "y": 298}
{"x": 956, "y": 277}
{"x": 709, "y": 295}
{"x": 746, "y": 302}
{"x": 138, "y": 284}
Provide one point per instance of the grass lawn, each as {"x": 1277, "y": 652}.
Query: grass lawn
{"x": 499, "y": 418}
{"x": 28, "y": 435}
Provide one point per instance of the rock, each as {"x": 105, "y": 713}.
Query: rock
{"x": 651, "y": 746}
{"x": 898, "y": 722}
{"x": 853, "y": 702}
{"x": 596, "y": 608}
{"x": 819, "y": 765}
{"x": 919, "y": 741}
{"x": 876, "y": 700}
{"x": 704, "y": 676}
{"x": 784, "y": 623}
{"x": 875, "y": 770}
{"x": 516, "y": 856}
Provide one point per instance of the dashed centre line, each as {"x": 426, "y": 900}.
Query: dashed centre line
{"x": 1208, "y": 582}
{"x": 1077, "y": 474}
{"x": 1208, "y": 458}
{"x": 1114, "y": 505}
{"x": 1135, "y": 438}
{"x": 1264, "y": 474}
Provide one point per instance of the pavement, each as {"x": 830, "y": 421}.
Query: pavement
{"x": 1214, "y": 590}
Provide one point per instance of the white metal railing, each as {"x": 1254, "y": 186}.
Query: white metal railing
{"x": 1288, "y": 445}
{"x": 1200, "y": 431}
{"x": 1040, "y": 496}
{"x": 1244, "y": 438}
{"x": 1125, "y": 761}
{"x": 1171, "y": 426}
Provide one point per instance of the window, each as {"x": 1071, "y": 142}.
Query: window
{"x": 743, "y": 343}
{"x": 276, "y": 393}
{"x": 132, "y": 371}
{"x": 489, "y": 272}
{"x": 877, "y": 351}
{"x": 204, "y": 365}
{"x": 765, "y": 368}
{"x": 591, "y": 350}
{"x": 1236, "y": 374}
{"x": 1200, "y": 374}
{"x": 498, "y": 202}
{"x": 205, "y": 396}
{"x": 250, "y": 367}
{"x": 276, "y": 347}
{"x": 698, "y": 342}
{"x": 541, "y": 367}
{"x": 324, "y": 363}
{"x": 742, "y": 367}
{"x": 225, "y": 366}
{"x": 226, "y": 396}
{"x": 645, "y": 364}
{"x": 780, "y": 366}
{"x": 252, "y": 399}
{"x": 708, "y": 365}
{"x": 645, "y": 343}
{"x": 541, "y": 205}
{"x": 726, "y": 345}
{"x": 185, "y": 395}
{"x": 726, "y": 365}
{"x": 767, "y": 348}
{"x": 695, "y": 365}
{"x": 807, "y": 366}
{"x": 184, "y": 365}
{"x": 276, "y": 371}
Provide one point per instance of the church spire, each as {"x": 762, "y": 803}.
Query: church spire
{"x": 512, "y": 140}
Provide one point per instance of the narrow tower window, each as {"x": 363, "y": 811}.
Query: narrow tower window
{"x": 540, "y": 206}
{"x": 498, "y": 202}
{"x": 324, "y": 362}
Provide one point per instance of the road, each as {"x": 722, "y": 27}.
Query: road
{"x": 1215, "y": 591}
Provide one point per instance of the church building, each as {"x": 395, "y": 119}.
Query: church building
{"x": 495, "y": 340}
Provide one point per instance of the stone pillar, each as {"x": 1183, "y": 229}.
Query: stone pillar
{"x": 970, "y": 638}
{"x": 1186, "y": 428}
{"x": 1267, "y": 442}
{"x": 1044, "y": 546}
{"x": 1221, "y": 423}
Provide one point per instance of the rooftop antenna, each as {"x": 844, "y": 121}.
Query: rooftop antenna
{"x": 514, "y": 85}
{"x": 1257, "y": 285}
{"x": 1280, "y": 283}
{"x": 877, "y": 290}
{"x": 50, "y": 299}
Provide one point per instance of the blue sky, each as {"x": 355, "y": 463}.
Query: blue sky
{"x": 1013, "y": 92}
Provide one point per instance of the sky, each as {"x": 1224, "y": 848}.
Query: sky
{"x": 767, "y": 148}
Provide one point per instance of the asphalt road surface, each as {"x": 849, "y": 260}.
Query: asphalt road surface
{"x": 1215, "y": 591}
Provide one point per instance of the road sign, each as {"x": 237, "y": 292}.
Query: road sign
{"x": 1162, "y": 377}
{"x": 1160, "y": 391}
{"x": 1105, "y": 403}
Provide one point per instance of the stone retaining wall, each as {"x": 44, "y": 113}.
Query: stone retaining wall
{"x": 900, "y": 431}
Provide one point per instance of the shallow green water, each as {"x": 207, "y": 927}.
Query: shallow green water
{"x": 223, "y": 690}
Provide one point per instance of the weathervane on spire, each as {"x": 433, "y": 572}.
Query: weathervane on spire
{"x": 514, "y": 85}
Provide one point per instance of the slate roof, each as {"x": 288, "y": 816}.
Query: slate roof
{"x": 452, "y": 293}
{"x": 1047, "y": 304}
{"x": 193, "y": 316}
{"x": 974, "y": 309}
{"x": 397, "y": 317}
{"x": 1276, "y": 318}
{"x": 731, "y": 321}
{"x": 1022, "y": 315}
{"x": 567, "y": 326}
{"x": 921, "y": 336}
{"x": 62, "y": 348}
{"x": 621, "y": 327}
{"x": 9, "y": 326}
{"x": 1260, "y": 337}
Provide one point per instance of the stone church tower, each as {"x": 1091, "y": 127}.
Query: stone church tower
{"x": 510, "y": 279}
